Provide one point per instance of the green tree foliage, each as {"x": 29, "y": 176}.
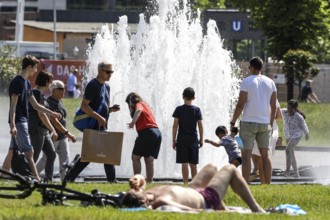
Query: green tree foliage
{"x": 298, "y": 65}
{"x": 9, "y": 67}
{"x": 205, "y": 4}
{"x": 294, "y": 24}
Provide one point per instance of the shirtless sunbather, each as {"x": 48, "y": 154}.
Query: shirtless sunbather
{"x": 206, "y": 191}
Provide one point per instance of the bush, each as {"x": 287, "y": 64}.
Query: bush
{"x": 9, "y": 66}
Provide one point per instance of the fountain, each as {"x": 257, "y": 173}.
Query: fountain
{"x": 164, "y": 56}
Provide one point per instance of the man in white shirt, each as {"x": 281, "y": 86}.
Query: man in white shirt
{"x": 257, "y": 94}
{"x": 72, "y": 83}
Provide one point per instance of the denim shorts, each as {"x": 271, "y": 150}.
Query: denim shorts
{"x": 22, "y": 138}
{"x": 250, "y": 131}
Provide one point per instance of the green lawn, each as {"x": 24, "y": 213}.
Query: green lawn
{"x": 314, "y": 199}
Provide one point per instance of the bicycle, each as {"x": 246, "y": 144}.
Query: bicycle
{"x": 16, "y": 186}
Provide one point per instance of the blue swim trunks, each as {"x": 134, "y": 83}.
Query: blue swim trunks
{"x": 211, "y": 197}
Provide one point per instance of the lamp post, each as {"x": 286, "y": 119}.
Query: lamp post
{"x": 54, "y": 10}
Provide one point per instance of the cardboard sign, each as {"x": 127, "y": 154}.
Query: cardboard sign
{"x": 102, "y": 146}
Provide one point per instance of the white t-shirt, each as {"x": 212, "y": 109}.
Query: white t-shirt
{"x": 259, "y": 90}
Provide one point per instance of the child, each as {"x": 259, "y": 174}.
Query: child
{"x": 230, "y": 144}
{"x": 294, "y": 125}
{"x": 186, "y": 143}
{"x": 149, "y": 139}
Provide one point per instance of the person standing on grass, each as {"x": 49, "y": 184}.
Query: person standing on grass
{"x": 149, "y": 139}
{"x": 20, "y": 94}
{"x": 72, "y": 83}
{"x": 185, "y": 142}
{"x": 307, "y": 94}
{"x": 294, "y": 126}
{"x": 230, "y": 144}
{"x": 257, "y": 94}
{"x": 97, "y": 93}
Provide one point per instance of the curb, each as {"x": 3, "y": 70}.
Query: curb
{"x": 304, "y": 148}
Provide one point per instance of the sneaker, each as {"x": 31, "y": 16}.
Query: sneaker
{"x": 296, "y": 175}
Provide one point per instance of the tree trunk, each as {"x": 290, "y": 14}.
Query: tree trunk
{"x": 299, "y": 95}
{"x": 290, "y": 85}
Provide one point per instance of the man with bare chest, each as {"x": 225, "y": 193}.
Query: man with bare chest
{"x": 205, "y": 191}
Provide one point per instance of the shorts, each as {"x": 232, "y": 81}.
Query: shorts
{"x": 250, "y": 131}
{"x": 272, "y": 145}
{"x": 148, "y": 143}
{"x": 211, "y": 198}
{"x": 22, "y": 139}
{"x": 239, "y": 160}
{"x": 187, "y": 150}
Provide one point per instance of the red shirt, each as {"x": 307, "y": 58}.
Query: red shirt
{"x": 146, "y": 119}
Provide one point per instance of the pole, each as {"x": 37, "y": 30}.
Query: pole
{"x": 19, "y": 24}
{"x": 54, "y": 10}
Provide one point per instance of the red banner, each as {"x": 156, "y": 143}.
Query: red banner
{"x": 60, "y": 69}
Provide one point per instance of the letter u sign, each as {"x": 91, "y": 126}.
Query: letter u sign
{"x": 237, "y": 25}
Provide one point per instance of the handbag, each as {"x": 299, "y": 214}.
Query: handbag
{"x": 19, "y": 163}
{"x": 82, "y": 121}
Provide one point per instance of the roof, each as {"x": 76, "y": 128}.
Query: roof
{"x": 74, "y": 27}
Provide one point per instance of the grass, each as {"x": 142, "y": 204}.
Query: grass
{"x": 314, "y": 199}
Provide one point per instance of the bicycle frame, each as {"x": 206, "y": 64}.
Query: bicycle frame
{"x": 55, "y": 194}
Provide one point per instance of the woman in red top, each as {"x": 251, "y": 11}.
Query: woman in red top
{"x": 147, "y": 143}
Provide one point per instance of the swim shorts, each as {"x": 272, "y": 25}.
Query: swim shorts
{"x": 211, "y": 197}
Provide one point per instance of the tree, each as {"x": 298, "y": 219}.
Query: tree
{"x": 205, "y": 4}
{"x": 9, "y": 66}
{"x": 298, "y": 65}
{"x": 294, "y": 24}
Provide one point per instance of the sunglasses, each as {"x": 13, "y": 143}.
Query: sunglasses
{"x": 107, "y": 71}
{"x": 60, "y": 89}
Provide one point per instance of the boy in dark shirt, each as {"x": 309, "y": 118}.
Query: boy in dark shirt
{"x": 185, "y": 142}
{"x": 20, "y": 94}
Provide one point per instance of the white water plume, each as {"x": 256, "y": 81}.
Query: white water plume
{"x": 165, "y": 55}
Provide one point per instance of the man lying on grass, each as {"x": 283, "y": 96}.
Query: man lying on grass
{"x": 206, "y": 191}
